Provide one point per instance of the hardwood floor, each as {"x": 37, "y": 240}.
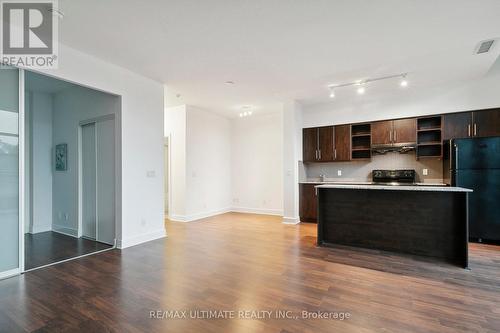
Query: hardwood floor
{"x": 49, "y": 247}
{"x": 254, "y": 262}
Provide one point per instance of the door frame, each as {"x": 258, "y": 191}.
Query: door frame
{"x": 22, "y": 171}
{"x": 167, "y": 142}
{"x": 82, "y": 123}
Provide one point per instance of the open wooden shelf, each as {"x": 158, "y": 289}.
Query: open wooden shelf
{"x": 361, "y": 141}
{"x": 429, "y": 137}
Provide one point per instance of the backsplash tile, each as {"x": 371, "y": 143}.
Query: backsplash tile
{"x": 361, "y": 170}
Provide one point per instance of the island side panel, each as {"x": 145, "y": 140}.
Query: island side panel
{"x": 427, "y": 223}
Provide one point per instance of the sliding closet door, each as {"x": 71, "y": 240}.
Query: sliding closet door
{"x": 105, "y": 172}
{"x": 9, "y": 171}
{"x": 89, "y": 217}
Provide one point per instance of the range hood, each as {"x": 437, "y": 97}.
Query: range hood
{"x": 401, "y": 148}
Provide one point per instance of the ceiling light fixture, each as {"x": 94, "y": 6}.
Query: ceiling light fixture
{"x": 247, "y": 112}
{"x": 362, "y": 84}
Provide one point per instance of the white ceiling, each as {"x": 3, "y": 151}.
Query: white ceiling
{"x": 281, "y": 49}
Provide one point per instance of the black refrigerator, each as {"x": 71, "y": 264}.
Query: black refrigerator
{"x": 475, "y": 163}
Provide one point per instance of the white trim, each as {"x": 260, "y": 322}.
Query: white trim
{"x": 263, "y": 211}
{"x": 22, "y": 174}
{"x": 198, "y": 216}
{"x": 167, "y": 143}
{"x": 291, "y": 220}
{"x": 139, "y": 239}
{"x": 60, "y": 229}
{"x": 10, "y": 273}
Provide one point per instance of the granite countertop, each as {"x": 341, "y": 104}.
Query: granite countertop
{"x": 370, "y": 186}
{"x": 362, "y": 183}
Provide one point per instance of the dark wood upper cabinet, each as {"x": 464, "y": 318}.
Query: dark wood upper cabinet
{"x": 457, "y": 125}
{"x": 382, "y": 132}
{"x": 486, "y": 123}
{"x": 405, "y": 131}
{"x": 342, "y": 150}
{"x": 326, "y": 144}
{"x": 310, "y": 144}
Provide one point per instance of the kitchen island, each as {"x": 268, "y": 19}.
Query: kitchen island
{"x": 429, "y": 221}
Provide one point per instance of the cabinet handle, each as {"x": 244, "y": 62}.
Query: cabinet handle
{"x": 316, "y": 154}
{"x": 468, "y": 130}
{"x": 395, "y": 136}
{"x": 335, "y": 153}
{"x": 390, "y": 136}
{"x": 320, "y": 154}
{"x": 475, "y": 129}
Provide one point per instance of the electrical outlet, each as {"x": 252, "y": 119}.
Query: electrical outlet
{"x": 339, "y": 172}
{"x": 66, "y": 216}
{"x": 143, "y": 222}
{"x": 425, "y": 172}
{"x": 150, "y": 174}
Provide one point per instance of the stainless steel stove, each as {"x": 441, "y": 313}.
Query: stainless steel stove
{"x": 394, "y": 177}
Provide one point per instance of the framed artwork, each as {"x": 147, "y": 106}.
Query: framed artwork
{"x": 61, "y": 157}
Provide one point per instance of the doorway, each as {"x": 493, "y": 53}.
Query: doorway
{"x": 70, "y": 168}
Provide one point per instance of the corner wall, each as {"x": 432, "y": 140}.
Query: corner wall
{"x": 141, "y": 151}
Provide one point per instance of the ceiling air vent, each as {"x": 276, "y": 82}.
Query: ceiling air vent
{"x": 485, "y": 46}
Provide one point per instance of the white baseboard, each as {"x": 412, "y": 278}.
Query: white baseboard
{"x": 65, "y": 230}
{"x": 245, "y": 210}
{"x": 198, "y": 216}
{"x": 10, "y": 273}
{"x": 291, "y": 220}
{"x": 139, "y": 239}
{"x": 264, "y": 211}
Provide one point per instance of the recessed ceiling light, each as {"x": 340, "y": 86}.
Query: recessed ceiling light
{"x": 361, "y": 90}
{"x": 404, "y": 83}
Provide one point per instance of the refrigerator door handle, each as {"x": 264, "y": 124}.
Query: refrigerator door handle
{"x": 468, "y": 130}
{"x": 456, "y": 156}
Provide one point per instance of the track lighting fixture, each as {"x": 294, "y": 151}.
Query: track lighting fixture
{"x": 362, "y": 84}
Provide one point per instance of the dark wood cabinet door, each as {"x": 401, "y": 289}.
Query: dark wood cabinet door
{"x": 308, "y": 204}
{"x": 342, "y": 143}
{"x": 457, "y": 125}
{"x": 309, "y": 144}
{"x": 326, "y": 152}
{"x": 405, "y": 130}
{"x": 486, "y": 123}
{"x": 382, "y": 132}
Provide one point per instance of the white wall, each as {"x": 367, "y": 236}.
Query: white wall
{"x": 41, "y": 161}
{"x": 257, "y": 164}
{"x": 208, "y": 163}
{"x": 200, "y": 160}
{"x": 70, "y": 107}
{"x": 175, "y": 128}
{"x": 141, "y": 120}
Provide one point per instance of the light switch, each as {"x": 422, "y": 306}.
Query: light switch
{"x": 339, "y": 172}
{"x": 425, "y": 172}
